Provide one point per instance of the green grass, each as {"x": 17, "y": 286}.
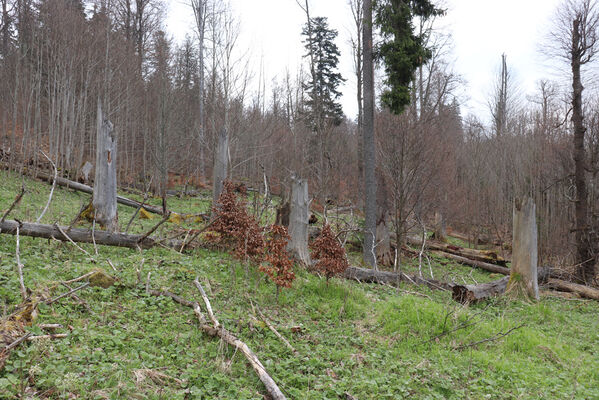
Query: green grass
{"x": 372, "y": 341}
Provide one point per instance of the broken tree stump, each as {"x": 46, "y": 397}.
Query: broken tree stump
{"x": 298, "y": 220}
{"x": 523, "y": 273}
{"x": 104, "y": 197}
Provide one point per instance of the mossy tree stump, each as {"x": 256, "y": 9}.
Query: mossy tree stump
{"x": 523, "y": 274}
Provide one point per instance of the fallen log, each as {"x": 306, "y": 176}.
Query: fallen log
{"x": 392, "y": 278}
{"x": 467, "y": 294}
{"x": 582, "y": 290}
{"x": 486, "y": 256}
{"x": 474, "y": 263}
{"x": 89, "y": 190}
{"x": 85, "y": 236}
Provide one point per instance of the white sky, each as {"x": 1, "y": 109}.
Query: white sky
{"x": 481, "y": 29}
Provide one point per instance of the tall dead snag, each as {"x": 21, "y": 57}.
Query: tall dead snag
{"x": 298, "y": 220}
{"x": 523, "y": 273}
{"x": 440, "y": 233}
{"x": 104, "y": 197}
{"x": 221, "y": 159}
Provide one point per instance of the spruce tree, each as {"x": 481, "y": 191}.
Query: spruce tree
{"x": 323, "y": 104}
{"x": 402, "y": 51}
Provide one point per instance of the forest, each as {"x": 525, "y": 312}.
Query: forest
{"x": 177, "y": 224}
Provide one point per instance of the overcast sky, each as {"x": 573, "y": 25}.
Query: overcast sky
{"x": 481, "y": 31}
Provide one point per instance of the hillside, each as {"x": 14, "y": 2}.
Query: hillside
{"x": 353, "y": 339}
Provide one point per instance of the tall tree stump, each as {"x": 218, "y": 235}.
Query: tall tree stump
{"x": 440, "y": 233}
{"x": 104, "y": 197}
{"x": 523, "y": 273}
{"x": 298, "y": 220}
{"x": 221, "y": 159}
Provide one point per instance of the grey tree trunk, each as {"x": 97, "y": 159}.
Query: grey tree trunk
{"x": 523, "y": 274}
{"x": 383, "y": 246}
{"x": 104, "y": 197}
{"x": 298, "y": 220}
{"x": 220, "y": 165}
{"x": 440, "y": 231}
{"x": 368, "y": 135}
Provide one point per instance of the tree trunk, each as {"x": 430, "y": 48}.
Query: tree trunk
{"x": 298, "y": 220}
{"x": 383, "y": 246}
{"x": 391, "y": 278}
{"x": 220, "y": 165}
{"x": 586, "y": 265}
{"x": 440, "y": 232}
{"x": 523, "y": 272}
{"x": 368, "y": 136}
{"x": 86, "y": 236}
{"x": 104, "y": 197}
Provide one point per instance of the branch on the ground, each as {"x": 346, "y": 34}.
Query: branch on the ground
{"x": 51, "y": 190}
{"x": 14, "y": 203}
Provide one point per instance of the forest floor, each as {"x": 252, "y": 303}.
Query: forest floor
{"x": 369, "y": 341}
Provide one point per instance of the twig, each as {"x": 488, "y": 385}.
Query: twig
{"x": 143, "y": 202}
{"x": 148, "y": 233}
{"x": 78, "y": 216}
{"x": 94, "y": 235}
{"x": 148, "y": 282}
{"x": 51, "y": 190}
{"x": 112, "y": 266}
{"x": 80, "y": 278}
{"x": 49, "y": 326}
{"x": 14, "y": 203}
{"x": 498, "y": 335}
{"x": 18, "y": 341}
{"x": 200, "y": 231}
{"x": 51, "y": 336}
{"x": 72, "y": 242}
{"x": 196, "y": 282}
{"x": 54, "y": 300}
{"x": 20, "y": 268}
{"x": 277, "y": 334}
{"x": 81, "y": 301}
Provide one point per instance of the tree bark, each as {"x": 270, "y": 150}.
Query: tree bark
{"x": 368, "y": 136}
{"x": 523, "y": 272}
{"x": 585, "y": 261}
{"x": 220, "y": 165}
{"x": 298, "y": 220}
{"x": 104, "y": 196}
{"x": 383, "y": 246}
{"x": 391, "y": 278}
{"x": 474, "y": 263}
{"x": 85, "y": 236}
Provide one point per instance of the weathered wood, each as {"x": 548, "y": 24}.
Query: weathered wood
{"x": 474, "y": 263}
{"x": 104, "y": 195}
{"x": 298, "y": 220}
{"x": 467, "y": 294}
{"x": 565, "y": 286}
{"x": 440, "y": 232}
{"x": 478, "y": 255}
{"x": 221, "y": 163}
{"x": 85, "y": 236}
{"x": 89, "y": 190}
{"x": 384, "y": 255}
{"x": 391, "y": 278}
{"x": 523, "y": 273}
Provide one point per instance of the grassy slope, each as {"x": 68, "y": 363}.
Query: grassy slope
{"x": 366, "y": 340}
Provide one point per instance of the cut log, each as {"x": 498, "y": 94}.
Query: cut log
{"x": 298, "y": 220}
{"x": 85, "y": 236}
{"x": 523, "y": 274}
{"x": 474, "y": 263}
{"x": 391, "y": 278}
{"x": 104, "y": 196}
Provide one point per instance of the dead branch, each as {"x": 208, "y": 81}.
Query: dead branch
{"x": 148, "y": 233}
{"x": 277, "y": 334}
{"x": 51, "y": 190}
{"x": 54, "y": 300}
{"x": 18, "y": 341}
{"x": 493, "y": 338}
{"x": 14, "y": 203}
{"x": 73, "y": 243}
{"x": 20, "y": 268}
{"x": 207, "y": 302}
{"x": 51, "y": 336}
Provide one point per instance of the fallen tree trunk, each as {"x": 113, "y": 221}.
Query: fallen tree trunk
{"x": 474, "y": 263}
{"x": 565, "y": 286}
{"x": 85, "y": 236}
{"x": 89, "y": 190}
{"x": 487, "y": 256}
{"x": 391, "y": 278}
{"x": 467, "y": 294}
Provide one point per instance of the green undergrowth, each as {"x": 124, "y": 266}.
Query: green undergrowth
{"x": 370, "y": 341}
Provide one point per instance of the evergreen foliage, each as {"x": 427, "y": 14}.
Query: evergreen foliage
{"x": 402, "y": 50}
